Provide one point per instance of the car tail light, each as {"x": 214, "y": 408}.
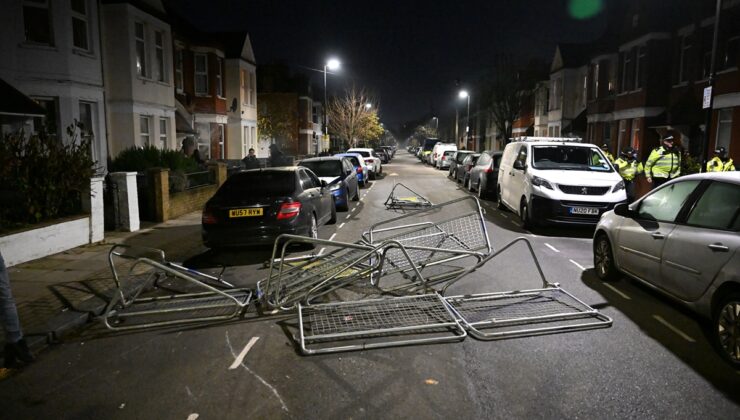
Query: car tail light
{"x": 488, "y": 170}
{"x": 209, "y": 216}
{"x": 288, "y": 210}
{"x": 444, "y": 157}
{"x": 370, "y": 160}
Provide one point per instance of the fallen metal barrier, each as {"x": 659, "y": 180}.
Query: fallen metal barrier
{"x": 175, "y": 294}
{"x": 409, "y": 199}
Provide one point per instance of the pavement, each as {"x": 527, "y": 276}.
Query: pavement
{"x": 654, "y": 362}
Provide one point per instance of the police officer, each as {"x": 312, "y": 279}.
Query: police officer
{"x": 663, "y": 164}
{"x": 720, "y": 162}
{"x": 605, "y": 149}
{"x": 629, "y": 167}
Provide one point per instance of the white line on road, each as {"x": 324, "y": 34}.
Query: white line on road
{"x": 578, "y": 265}
{"x": 341, "y": 226}
{"x": 674, "y": 329}
{"x": 553, "y": 248}
{"x": 331, "y": 238}
{"x": 243, "y": 354}
{"x": 504, "y": 216}
{"x": 193, "y": 416}
{"x": 617, "y": 291}
{"x": 321, "y": 251}
{"x": 259, "y": 378}
{"x": 349, "y": 216}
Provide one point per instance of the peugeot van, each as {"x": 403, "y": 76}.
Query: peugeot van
{"x": 549, "y": 180}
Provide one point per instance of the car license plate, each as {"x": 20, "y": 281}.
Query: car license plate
{"x": 589, "y": 211}
{"x": 245, "y": 212}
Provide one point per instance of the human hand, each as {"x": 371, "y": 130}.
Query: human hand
{"x": 649, "y": 180}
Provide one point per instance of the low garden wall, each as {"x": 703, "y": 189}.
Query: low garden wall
{"x": 166, "y": 205}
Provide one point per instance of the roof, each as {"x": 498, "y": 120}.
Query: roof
{"x": 571, "y": 56}
{"x": 323, "y": 158}
{"x": 733, "y": 177}
{"x": 15, "y": 102}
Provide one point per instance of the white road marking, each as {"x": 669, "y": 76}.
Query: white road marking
{"x": 243, "y": 354}
{"x": 578, "y": 265}
{"x": 321, "y": 251}
{"x": 193, "y": 416}
{"x": 341, "y": 226}
{"x": 674, "y": 329}
{"x": 553, "y": 248}
{"x": 349, "y": 216}
{"x": 617, "y": 291}
{"x": 259, "y": 378}
{"x": 504, "y": 216}
{"x": 331, "y": 238}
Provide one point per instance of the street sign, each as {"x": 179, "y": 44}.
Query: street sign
{"x": 707, "y": 98}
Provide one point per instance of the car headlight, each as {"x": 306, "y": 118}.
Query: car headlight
{"x": 541, "y": 182}
{"x": 335, "y": 187}
{"x": 619, "y": 186}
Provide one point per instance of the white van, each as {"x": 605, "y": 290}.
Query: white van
{"x": 438, "y": 150}
{"x": 550, "y": 180}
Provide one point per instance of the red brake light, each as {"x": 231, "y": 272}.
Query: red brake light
{"x": 488, "y": 170}
{"x": 288, "y": 210}
{"x": 209, "y": 217}
{"x": 444, "y": 157}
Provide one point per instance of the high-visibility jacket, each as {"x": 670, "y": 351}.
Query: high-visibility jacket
{"x": 717, "y": 165}
{"x": 629, "y": 169}
{"x": 663, "y": 163}
{"x": 609, "y": 156}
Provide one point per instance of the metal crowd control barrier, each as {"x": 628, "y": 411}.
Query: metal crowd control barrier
{"x": 195, "y": 301}
{"x": 546, "y": 310}
{"x": 409, "y": 200}
{"x": 442, "y": 240}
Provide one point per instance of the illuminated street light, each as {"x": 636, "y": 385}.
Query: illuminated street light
{"x": 333, "y": 65}
{"x": 368, "y": 105}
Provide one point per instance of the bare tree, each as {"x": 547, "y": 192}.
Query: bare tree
{"x": 352, "y": 119}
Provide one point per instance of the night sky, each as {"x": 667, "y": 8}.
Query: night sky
{"x": 407, "y": 52}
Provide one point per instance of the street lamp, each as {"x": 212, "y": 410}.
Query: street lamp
{"x": 368, "y": 105}
{"x": 332, "y": 64}
{"x": 436, "y": 123}
{"x": 465, "y": 95}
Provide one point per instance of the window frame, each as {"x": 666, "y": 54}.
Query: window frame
{"x": 142, "y": 69}
{"x": 83, "y": 17}
{"x": 145, "y": 136}
{"x": 683, "y": 209}
{"x": 640, "y": 65}
{"x": 46, "y": 5}
{"x": 163, "y": 134}
{"x": 179, "y": 70}
{"x": 220, "y": 77}
{"x": 160, "y": 62}
{"x": 699, "y": 194}
{"x": 203, "y": 73}
{"x": 720, "y": 122}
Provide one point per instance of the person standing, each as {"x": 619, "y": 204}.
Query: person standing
{"x": 277, "y": 158}
{"x": 629, "y": 168}
{"x": 16, "y": 350}
{"x": 663, "y": 164}
{"x": 605, "y": 149}
{"x": 720, "y": 162}
{"x": 251, "y": 161}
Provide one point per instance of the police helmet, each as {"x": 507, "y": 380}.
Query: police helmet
{"x": 721, "y": 152}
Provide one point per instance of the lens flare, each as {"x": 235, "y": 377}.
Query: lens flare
{"x": 584, "y": 9}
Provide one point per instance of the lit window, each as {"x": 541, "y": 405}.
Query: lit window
{"x": 201, "y": 74}
{"x": 80, "y": 24}
{"x": 140, "y": 35}
{"x": 37, "y": 22}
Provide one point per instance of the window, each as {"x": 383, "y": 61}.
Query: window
{"x": 219, "y": 77}
{"x": 159, "y": 56}
{"x": 628, "y": 71}
{"x": 254, "y": 136}
{"x": 253, "y": 87}
{"x": 557, "y": 94}
{"x": 163, "y": 122}
{"x": 622, "y": 136}
{"x": 550, "y": 131}
{"x": 706, "y": 65}
{"x": 664, "y": 204}
{"x": 683, "y": 60}
{"x": 595, "y": 85}
{"x": 640, "y": 68}
{"x": 522, "y": 156}
{"x": 201, "y": 74}
{"x": 144, "y": 130}
{"x": 729, "y": 60}
{"x": 221, "y": 136}
{"x": 635, "y": 143}
{"x": 80, "y": 25}
{"x": 246, "y": 141}
{"x": 724, "y": 128}
{"x": 556, "y": 131}
{"x": 87, "y": 119}
{"x": 718, "y": 207}
{"x": 569, "y": 158}
{"x": 178, "y": 70}
{"x": 140, "y": 36}
{"x": 50, "y": 120}
{"x": 243, "y": 82}
{"x": 204, "y": 140}
{"x": 585, "y": 90}
{"x": 37, "y": 22}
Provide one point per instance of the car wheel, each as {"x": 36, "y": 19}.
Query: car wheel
{"x": 604, "y": 259}
{"x": 499, "y": 202}
{"x": 481, "y": 192}
{"x": 356, "y": 197}
{"x": 313, "y": 228}
{"x": 726, "y": 328}
{"x": 524, "y": 215}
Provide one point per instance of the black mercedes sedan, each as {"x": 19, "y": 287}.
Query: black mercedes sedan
{"x": 256, "y": 206}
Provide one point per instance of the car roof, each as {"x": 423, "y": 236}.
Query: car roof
{"x": 274, "y": 169}
{"x": 732, "y": 177}
{"x": 323, "y": 158}
{"x": 363, "y": 149}
{"x": 557, "y": 143}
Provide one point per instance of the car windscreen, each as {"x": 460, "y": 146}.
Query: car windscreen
{"x": 497, "y": 161}
{"x": 324, "y": 167}
{"x": 449, "y": 153}
{"x": 569, "y": 158}
{"x": 361, "y": 153}
{"x": 461, "y": 157}
{"x": 258, "y": 183}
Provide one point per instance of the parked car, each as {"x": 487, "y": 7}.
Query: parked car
{"x": 557, "y": 181}
{"x": 361, "y": 168}
{"x": 463, "y": 171}
{"x": 457, "y": 160}
{"x": 256, "y": 206}
{"x": 484, "y": 175}
{"x": 339, "y": 175}
{"x": 438, "y": 152}
{"x": 426, "y": 149}
{"x": 383, "y": 155}
{"x": 682, "y": 239}
{"x": 391, "y": 151}
{"x": 444, "y": 161}
{"x": 371, "y": 158}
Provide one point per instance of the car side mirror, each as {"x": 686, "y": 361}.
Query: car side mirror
{"x": 519, "y": 165}
{"x": 623, "y": 210}
{"x": 323, "y": 184}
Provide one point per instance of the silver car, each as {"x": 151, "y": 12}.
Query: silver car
{"x": 682, "y": 239}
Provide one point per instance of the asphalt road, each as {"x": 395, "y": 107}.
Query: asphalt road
{"x": 654, "y": 362}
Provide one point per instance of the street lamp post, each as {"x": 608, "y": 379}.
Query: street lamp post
{"x": 709, "y": 91}
{"x": 332, "y": 64}
{"x": 465, "y": 95}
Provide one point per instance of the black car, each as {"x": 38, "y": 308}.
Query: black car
{"x": 254, "y": 207}
{"x": 457, "y": 160}
{"x": 463, "y": 169}
{"x": 340, "y": 175}
{"x": 484, "y": 175}
{"x": 383, "y": 154}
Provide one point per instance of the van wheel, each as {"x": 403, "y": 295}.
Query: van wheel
{"x": 524, "y": 215}
{"x": 604, "y": 259}
{"x": 726, "y": 328}
{"x": 499, "y": 202}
